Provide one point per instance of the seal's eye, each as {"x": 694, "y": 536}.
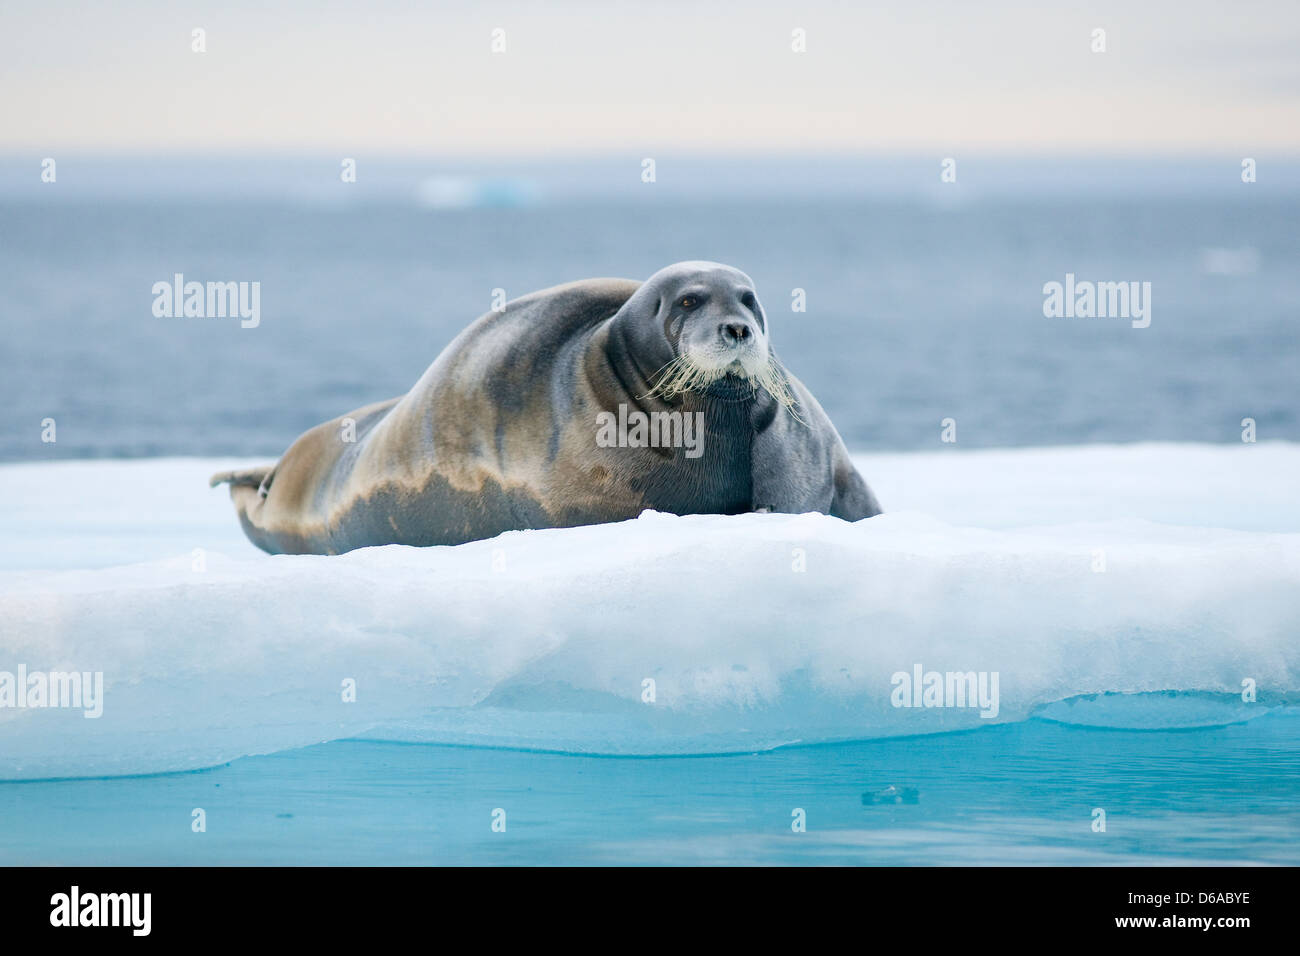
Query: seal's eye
{"x": 748, "y": 301}
{"x": 688, "y": 302}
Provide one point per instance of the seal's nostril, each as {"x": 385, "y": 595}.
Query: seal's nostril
{"x": 734, "y": 331}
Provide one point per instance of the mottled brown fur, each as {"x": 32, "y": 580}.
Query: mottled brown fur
{"x": 499, "y": 434}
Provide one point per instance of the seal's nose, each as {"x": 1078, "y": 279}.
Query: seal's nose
{"x": 733, "y": 333}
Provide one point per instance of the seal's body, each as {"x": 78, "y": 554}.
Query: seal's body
{"x": 581, "y": 404}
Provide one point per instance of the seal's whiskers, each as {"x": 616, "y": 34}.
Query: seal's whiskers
{"x": 684, "y": 375}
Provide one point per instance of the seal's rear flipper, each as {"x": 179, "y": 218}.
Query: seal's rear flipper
{"x": 259, "y": 478}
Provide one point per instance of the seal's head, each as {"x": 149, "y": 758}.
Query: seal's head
{"x": 705, "y": 322}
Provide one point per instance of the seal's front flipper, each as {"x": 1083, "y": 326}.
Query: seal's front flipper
{"x": 800, "y": 463}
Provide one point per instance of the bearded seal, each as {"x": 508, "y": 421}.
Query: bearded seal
{"x": 581, "y": 404}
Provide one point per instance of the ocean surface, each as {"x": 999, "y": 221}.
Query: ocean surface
{"x": 1020, "y": 794}
{"x": 919, "y": 307}
{"x": 1099, "y": 536}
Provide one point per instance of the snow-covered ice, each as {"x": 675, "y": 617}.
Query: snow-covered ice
{"x": 1093, "y": 570}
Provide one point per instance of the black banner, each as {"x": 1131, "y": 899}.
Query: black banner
{"x": 1225, "y": 905}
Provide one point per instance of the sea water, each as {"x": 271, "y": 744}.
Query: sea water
{"x": 1013, "y": 794}
{"x": 913, "y": 310}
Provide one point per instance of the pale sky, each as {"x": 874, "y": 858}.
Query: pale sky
{"x": 420, "y": 78}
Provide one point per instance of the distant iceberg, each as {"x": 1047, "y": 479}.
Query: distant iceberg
{"x": 1077, "y": 575}
{"x": 464, "y": 192}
